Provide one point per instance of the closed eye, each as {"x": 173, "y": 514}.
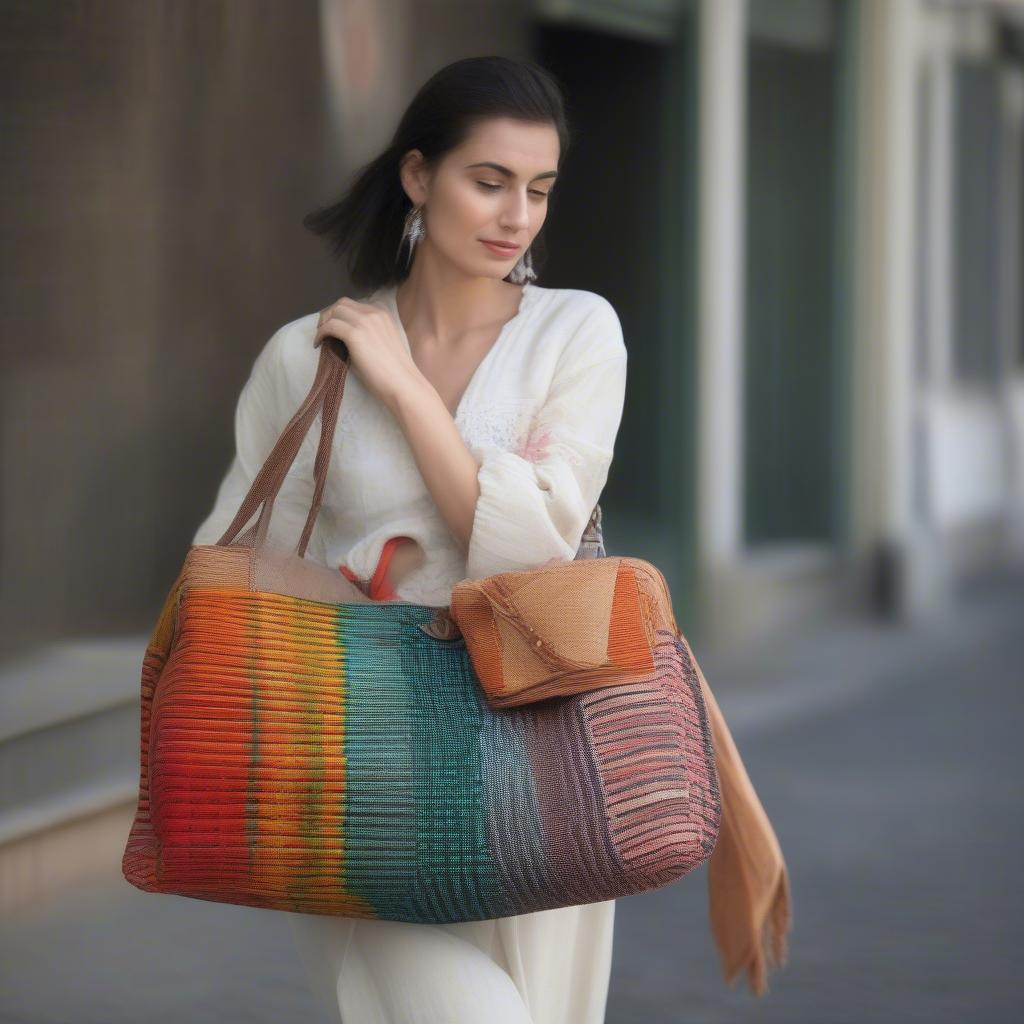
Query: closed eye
{"x": 490, "y": 187}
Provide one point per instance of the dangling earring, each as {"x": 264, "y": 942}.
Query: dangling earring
{"x": 412, "y": 232}
{"x": 523, "y": 270}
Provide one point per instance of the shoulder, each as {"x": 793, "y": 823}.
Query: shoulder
{"x": 575, "y": 304}
{"x": 288, "y": 359}
{"x": 293, "y": 341}
{"x": 291, "y": 345}
{"x": 290, "y": 351}
{"x": 587, "y": 323}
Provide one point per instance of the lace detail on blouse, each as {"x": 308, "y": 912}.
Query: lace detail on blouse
{"x": 501, "y": 424}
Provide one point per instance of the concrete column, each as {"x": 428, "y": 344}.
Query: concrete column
{"x": 936, "y": 234}
{"x": 899, "y": 555}
{"x": 720, "y": 284}
{"x": 1011, "y": 264}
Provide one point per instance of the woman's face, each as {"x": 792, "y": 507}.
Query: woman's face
{"x": 494, "y": 186}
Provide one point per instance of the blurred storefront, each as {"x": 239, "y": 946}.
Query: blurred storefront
{"x": 809, "y": 213}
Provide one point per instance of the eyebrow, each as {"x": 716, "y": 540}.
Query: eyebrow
{"x": 507, "y": 172}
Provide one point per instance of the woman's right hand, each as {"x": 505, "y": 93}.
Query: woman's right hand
{"x": 377, "y": 352}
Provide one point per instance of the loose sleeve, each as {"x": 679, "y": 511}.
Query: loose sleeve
{"x": 535, "y": 502}
{"x": 267, "y": 402}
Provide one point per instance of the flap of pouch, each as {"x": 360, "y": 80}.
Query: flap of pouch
{"x": 569, "y": 618}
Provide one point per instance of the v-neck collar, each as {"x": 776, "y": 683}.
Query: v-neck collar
{"x": 390, "y": 296}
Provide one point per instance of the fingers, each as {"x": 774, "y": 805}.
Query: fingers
{"x": 333, "y": 310}
{"x": 346, "y": 307}
{"x": 342, "y": 318}
{"x": 332, "y": 328}
{"x": 343, "y": 325}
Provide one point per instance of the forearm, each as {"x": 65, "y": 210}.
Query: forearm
{"x": 447, "y": 466}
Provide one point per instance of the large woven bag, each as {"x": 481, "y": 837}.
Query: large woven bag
{"x": 541, "y": 742}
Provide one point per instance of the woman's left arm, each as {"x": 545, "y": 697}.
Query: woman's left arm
{"x": 519, "y": 510}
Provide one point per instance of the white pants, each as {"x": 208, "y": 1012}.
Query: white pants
{"x": 550, "y": 967}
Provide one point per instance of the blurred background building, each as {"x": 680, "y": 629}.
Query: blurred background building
{"x": 808, "y": 213}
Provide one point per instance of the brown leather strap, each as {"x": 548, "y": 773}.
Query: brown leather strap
{"x": 324, "y": 397}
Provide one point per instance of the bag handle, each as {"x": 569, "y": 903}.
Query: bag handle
{"x": 324, "y": 397}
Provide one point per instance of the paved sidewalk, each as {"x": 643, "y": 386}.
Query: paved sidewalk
{"x": 888, "y": 762}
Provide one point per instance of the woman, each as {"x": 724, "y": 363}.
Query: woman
{"x": 475, "y": 437}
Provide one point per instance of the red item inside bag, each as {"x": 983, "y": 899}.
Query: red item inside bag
{"x": 379, "y": 588}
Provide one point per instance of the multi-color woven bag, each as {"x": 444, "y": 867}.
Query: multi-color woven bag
{"x": 541, "y": 742}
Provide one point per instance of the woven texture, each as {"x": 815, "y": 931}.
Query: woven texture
{"x": 336, "y": 758}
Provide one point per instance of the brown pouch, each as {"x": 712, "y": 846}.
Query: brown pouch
{"x": 565, "y": 628}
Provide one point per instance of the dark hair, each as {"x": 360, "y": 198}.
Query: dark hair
{"x": 368, "y": 221}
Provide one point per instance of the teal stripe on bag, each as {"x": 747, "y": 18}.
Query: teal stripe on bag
{"x": 457, "y": 880}
{"x": 380, "y": 822}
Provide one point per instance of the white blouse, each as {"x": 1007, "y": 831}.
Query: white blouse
{"x": 540, "y": 414}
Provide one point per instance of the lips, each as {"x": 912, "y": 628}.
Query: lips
{"x": 499, "y": 248}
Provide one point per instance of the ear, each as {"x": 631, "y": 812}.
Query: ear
{"x": 414, "y": 177}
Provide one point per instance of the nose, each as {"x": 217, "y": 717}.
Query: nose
{"x": 516, "y": 213}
